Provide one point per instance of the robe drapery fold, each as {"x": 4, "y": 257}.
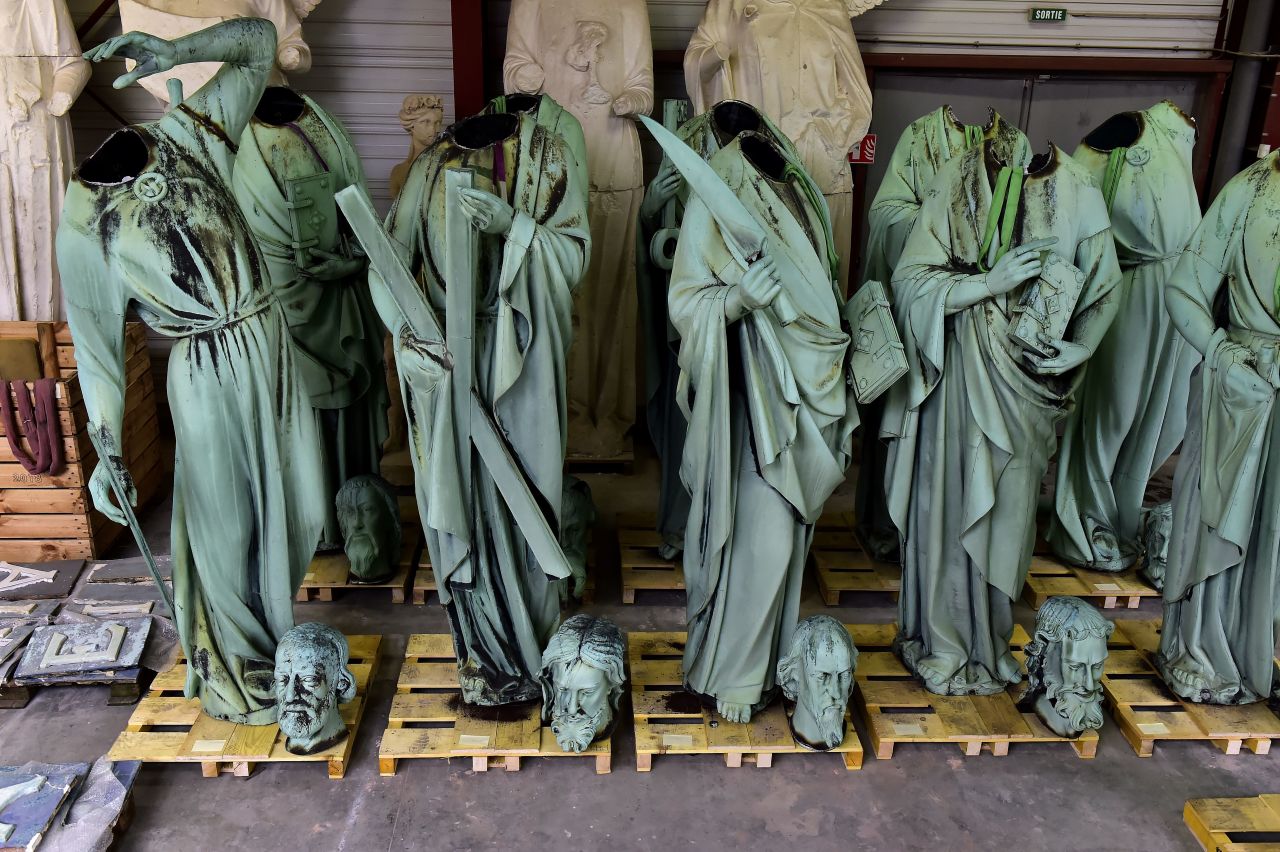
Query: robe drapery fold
{"x": 971, "y": 427}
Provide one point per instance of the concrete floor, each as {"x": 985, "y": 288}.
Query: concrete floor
{"x": 926, "y": 797}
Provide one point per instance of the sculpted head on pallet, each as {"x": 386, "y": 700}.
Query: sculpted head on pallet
{"x": 369, "y": 518}
{"x": 312, "y": 679}
{"x": 817, "y": 674}
{"x": 582, "y": 680}
{"x": 1065, "y": 660}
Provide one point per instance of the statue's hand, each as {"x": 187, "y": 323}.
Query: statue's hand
{"x": 153, "y": 55}
{"x": 423, "y": 363}
{"x": 626, "y": 105}
{"x": 487, "y": 211}
{"x": 1068, "y": 356}
{"x": 60, "y": 103}
{"x": 530, "y": 77}
{"x": 760, "y": 285}
{"x": 290, "y": 59}
{"x": 661, "y": 190}
{"x": 1017, "y": 266}
{"x": 102, "y": 492}
{"x": 1232, "y": 363}
{"x": 333, "y": 267}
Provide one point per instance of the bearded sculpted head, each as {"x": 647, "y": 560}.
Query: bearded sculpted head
{"x": 369, "y": 517}
{"x": 312, "y": 680}
{"x": 817, "y": 674}
{"x": 1065, "y": 661}
{"x": 1157, "y": 527}
{"x": 582, "y": 680}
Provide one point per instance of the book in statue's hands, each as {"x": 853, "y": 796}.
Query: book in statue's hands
{"x": 877, "y": 358}
{"x": 1047, "y": 304}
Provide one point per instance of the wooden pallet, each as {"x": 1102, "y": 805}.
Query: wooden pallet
{"x": 852, "y": 571}
{"x": 167, "y": 728}
{"x": 1049, "y": 576}
{"x": 428, "y": 719}
{"x": 624, "y": 462}
{"x": 1235, "y": 825}
{"x": 669, "y": 720}
{"x": 332, "y": 571}
{"x": 1147, "y": 712}
{"x": 125, "y": 687}
{"x": 641, "y": 567}
{"x": 897, "y": 709}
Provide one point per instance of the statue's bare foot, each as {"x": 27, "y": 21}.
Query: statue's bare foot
{"x": 731, "y": 712}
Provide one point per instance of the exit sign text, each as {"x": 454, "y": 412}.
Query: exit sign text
{"x": 1046, "y": 16}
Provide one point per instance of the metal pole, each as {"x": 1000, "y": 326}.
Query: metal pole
{"x": 1244, "y": 88}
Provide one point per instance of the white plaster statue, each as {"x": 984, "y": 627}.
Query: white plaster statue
{"x": 796, "y": 61}
{"x": 595, "y": 58}
{"x": 422, "y": 117}
{"x": 170, "y": 19}
{"x": 42, "y": 76}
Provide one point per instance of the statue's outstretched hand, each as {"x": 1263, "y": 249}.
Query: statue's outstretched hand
{"x": 423, "y": 363}
{"x": 154, "y": 55}
{"x": 486, "y": 211}
{"x": 661, "y": 190}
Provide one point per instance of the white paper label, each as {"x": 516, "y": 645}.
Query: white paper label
{"x": 677, "y": 740}
{"x": 907, "y": 729}
{"x": 1106, "y": 587}
{"x": 207, "y": 746}
{"x": 1153, "y": 728}
{"x": 473, "y": 740}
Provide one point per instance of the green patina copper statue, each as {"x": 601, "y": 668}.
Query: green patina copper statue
{"x": 925, "y": 146}
{"x": 763, "y": 384}
{"x": 528, "y": 205}
{"x": 369, "y": 519}
{"x": 582, "y": 680}
{"x": 972, "y": 426}
{"x": 150, "y": 221}
{"x": 294, "y": 157}
{"x": 312, "y": 679}
{"x": 1065, "y": 660}
{"x": 817, "y": 675}
{"x": 1157, "y": 529}
{"x": 1131, "y": 407}
{"x": 577, "y": 516}
{"x": 1222, "y": 586}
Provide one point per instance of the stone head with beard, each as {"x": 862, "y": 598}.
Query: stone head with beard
{"x": 582, "y": 680}
{"x": 1157, "y": 527}
{"x": 369, "y": 517}
{"x": 817, "y": 674}
{"x": 1065, "y": 661}
{"x": 312, "y": 679}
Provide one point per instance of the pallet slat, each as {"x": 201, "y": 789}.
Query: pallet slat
{"x": 1048, "y": 577}
{"x": 1237, "y": 825}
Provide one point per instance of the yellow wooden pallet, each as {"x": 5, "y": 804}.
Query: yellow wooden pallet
{"x": 1235, "y": 825}
{"x": 669, "y": 720}
{"x": 897, "y": 709}
{"x": 167, "y": 728}
{"x": 1048, "y": 577}
{"x": 427, "y": 694}
{"x": 1147, "y": 712}
{"x": 641, "y": 567}
{"x": 841, "y": 571}
{"x": 332, "y": 571}
{"x": 623, "y": 462}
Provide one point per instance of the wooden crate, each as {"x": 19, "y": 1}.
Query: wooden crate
{"x": 669, "y": 720}
{"x": 48, "y": 517}
{"x": 429, "y": 720}
{"x": 1048, "y": 577}
{"x": 1235, "y": 825}
{"x": 897, "y": 709}
{"x": 1147, "y": 712}
{"x": 332, "y": 571}
{"x": 167, "y": 728}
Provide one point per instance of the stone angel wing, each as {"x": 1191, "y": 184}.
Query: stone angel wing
{"x": 855, "y": 7}
{"x": 303, "y": 8}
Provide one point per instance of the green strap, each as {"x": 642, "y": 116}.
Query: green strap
{"x": 1003, "y": 216}
{"x": 973, "y": 134}
{"x": 816, "y": 199}
{"x": 1115, "y": 165}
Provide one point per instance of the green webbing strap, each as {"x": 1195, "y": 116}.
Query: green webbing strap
{"x": 1002, "y": 217}
{"x": 972, "y": 135}
{"x": 1115, "y": 165}
{"x": 818, "y": 202}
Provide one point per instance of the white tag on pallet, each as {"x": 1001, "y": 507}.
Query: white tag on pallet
{"x": 1106, "y": 587}
{"x": 1153, "y": 728}
{"x": 677, "y": 740}
{"x": 473, "y": 740}
{"x": 907, "y": 729}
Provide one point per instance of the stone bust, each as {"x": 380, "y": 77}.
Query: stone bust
{"x": 312, "y": 679}
{"x": 1157, "y": 528}
{"x": 817, "y": 674}
{"x": 1065, "y": 662}
{"x": 369, "y": 517}
{"x": 582, "y": 680}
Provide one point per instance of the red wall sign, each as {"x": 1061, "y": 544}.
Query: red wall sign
{"x": 864, "y": 153}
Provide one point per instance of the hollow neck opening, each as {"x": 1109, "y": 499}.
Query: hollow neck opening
{"x": 481, "y": 131}
{"x": 521, "y": 102}
{"x": 122, "y": 157}
{"x": 1118, "y": 131}
{"x": 764, "y": 155}
{"x": 955, "y": 119}
{"x": 731, "y": 118}
{"x": 280, "y": 105}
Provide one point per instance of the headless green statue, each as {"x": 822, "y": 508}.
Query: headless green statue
{"x": 150, "y": 221}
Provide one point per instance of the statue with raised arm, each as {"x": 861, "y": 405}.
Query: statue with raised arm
{"x": 1221, "y": 583}
{"x": 150, "y": 221}
{"x": 596, "y": 60}
{"x": 43, "y": 74}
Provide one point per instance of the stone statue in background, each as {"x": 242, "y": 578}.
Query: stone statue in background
{"x": 577, "y": 516}
{"x": 1222, "y": 586}
{"x": 817, "y": 675}
{"x": 294, "y": 157}
{"x": 150, "y": 221}
{"x": 1157, "y": 528}
{"x": 797, "y": 61}
{"x": 422, "y": 117}
{"x": 172, "y": 19}
{"x": 582, "y": 680}
{"x": 1131, "y": 408}
{"x": 369, "y": 518}
{"x": 1065, "y": 661}
{"x": 43, "y": 74}
{"x": 312, "y": 679}
{"x": 596, "y": 59}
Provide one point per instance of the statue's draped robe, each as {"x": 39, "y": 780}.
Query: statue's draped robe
{"x": 1131, "y": 407}
{"x": 661, "y": 341}
{"x": 798, "y": 62}
{"x": 926, "y": 145}
{"x": 338, "y": 340}
{"x": 247, "y": 498}
{"x": 541, "y": 39}
{"x": 39, "y": 58}
{"x": 971, "y": 427}
{"x": 771, "y": 420}
{"x": 502, "y": 607}
{"x": 1222, "y": 586}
